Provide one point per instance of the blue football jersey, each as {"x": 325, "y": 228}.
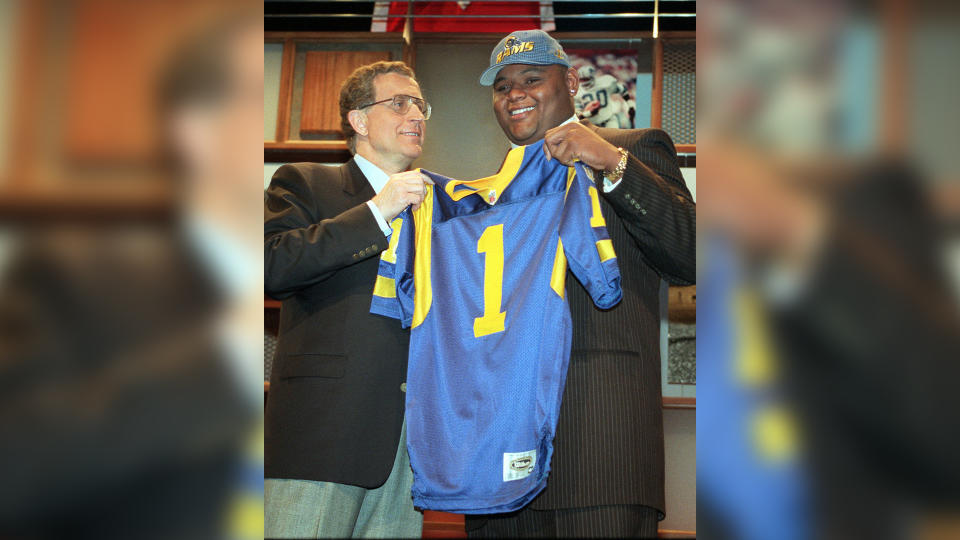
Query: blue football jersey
{"x": 478, "y": 272}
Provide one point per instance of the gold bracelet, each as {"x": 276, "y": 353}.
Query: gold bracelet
{"x": 617, "y": 173}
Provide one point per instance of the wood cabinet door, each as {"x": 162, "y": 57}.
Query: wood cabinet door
{"x": 324, "y": 72}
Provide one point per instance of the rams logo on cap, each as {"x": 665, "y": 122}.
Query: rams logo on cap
{"x": 512, "y": 45}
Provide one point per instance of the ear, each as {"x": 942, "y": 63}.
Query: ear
{"x": 358, "y": 121}
{"x": 573, "y": 81}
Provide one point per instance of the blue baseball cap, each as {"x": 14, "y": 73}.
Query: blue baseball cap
{"x": 524, "y": 47}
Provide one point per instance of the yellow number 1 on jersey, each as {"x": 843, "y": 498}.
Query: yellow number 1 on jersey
{"x": 491, "y": 243}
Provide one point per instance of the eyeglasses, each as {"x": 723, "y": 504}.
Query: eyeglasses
{"x": 400, "y": 104}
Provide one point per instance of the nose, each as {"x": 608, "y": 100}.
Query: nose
{"x": 516, "y": 93}
{"x": 415, "y": 121}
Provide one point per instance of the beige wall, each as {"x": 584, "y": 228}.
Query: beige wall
{"x": 463, "y": 138}
{"x": 680, "y": 447}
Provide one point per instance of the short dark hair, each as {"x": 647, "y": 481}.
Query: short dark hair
{"x": 358, "y": 90}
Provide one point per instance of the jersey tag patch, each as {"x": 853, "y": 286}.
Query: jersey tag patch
{"x": 517, "y": 465}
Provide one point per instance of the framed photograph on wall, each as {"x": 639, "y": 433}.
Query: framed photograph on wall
{"x": 608, "y": 82}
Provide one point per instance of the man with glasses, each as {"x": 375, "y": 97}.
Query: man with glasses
{"x": 607, "y": 471}
{"x": 336, "y": 463}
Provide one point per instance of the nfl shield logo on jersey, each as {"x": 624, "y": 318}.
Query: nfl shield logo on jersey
{"x": 517, "y": 465}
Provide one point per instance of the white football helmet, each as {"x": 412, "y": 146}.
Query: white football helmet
{"x": 587, "y": 74}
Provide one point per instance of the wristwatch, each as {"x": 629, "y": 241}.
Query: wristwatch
{"x": 617, "y": 174}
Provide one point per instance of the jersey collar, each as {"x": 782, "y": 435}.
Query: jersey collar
{"x": 490, "y": 188}
{"x": 567, "y": 121}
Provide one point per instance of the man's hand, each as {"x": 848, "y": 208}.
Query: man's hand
{"x": 401, "y": 190}
{"x": 573, "y": 141}
{"x": 758, "y": 201}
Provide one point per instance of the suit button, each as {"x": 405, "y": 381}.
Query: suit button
{"x": 643, "y": 211}
{"x": 355, "y": 255}
{"x": 373, "y": 248}
{"x": 403, "y": 387}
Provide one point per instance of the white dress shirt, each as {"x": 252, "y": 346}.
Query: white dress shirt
{"x": 377, "y": 179}
{"x": 236, "y": 266}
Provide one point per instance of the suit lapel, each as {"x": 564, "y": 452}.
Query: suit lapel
{"x": 355, "y": 184}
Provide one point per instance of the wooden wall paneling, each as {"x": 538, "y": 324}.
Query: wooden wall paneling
{"x": 896, "y": 22}
{"x": 286, "y": 89}
{"x": 85, "y": 130}
{"x": 319, "y": 151}
{"x": 324, "y": 72}
{"x": 27, "y": 86}
{"x": 682, "y": 304}
{"x": 113, "y": 55}
{"x": 675, "y": 534}
{"x": 656, "y": 96}
{"x": 679, "y": 402}
{"x": 443, "y": 525}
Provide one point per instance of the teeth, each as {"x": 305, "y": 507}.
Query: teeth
{"x": 414, "y": 133}
{"x": 520, "y": 111}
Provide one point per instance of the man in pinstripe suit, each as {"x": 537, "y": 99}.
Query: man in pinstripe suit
{"x": 607, "y": 473}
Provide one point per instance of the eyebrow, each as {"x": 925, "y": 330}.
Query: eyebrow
{"x": 536, "y": 69}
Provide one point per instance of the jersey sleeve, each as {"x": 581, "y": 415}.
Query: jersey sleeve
{"x": 393, "y": 292}
{"x": 586, "y": 244}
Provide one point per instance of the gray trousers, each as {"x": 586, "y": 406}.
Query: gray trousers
{"x": 310, "y": 509}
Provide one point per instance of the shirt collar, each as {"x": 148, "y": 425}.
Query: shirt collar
{"x": 223, "y": 255}
{"x": 567, "y": 121}
{"x": 374, "y": 174}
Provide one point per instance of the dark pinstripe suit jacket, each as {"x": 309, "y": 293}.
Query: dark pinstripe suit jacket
{"x": 609, "y": 442}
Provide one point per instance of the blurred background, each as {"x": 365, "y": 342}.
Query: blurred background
{"x": 829, "y": 269}
{"x": 131, "y": 293}
{"x": 642, "y": 67}
{"x": 130, "y": 269}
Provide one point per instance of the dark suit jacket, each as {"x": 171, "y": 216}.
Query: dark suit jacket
{"x": 609, "y": 442}
{"x": 117, "y": 410}
{"x": 335, "y": 406}
{"x": 869, "y": 349}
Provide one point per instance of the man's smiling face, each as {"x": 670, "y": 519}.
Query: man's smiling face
{"x": 528, "y": 100}
{"x": 395, "y": 137}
